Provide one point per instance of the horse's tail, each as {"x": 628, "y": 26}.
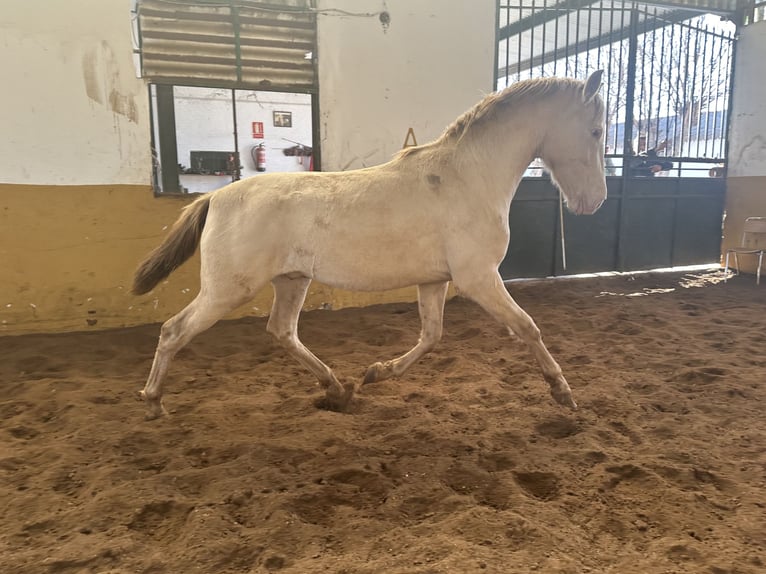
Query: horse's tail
{"x": 178, "y": 246}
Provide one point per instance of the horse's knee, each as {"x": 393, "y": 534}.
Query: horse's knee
{"x": 531, "y": 333}
{"x": 169, "y": 335}
{"x": 283, "y": 337}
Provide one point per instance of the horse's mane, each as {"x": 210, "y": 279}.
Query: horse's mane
{"x": 517, "y": 93}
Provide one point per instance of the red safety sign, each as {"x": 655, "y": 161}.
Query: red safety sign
{"x": 257, "y": 130}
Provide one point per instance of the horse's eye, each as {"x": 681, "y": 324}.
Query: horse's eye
{"x": 597, "y": 133}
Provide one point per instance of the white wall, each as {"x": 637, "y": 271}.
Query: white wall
{"x": 433, "y": 62}
{"x": 747, "y": 144}
{"x": 72, "y": 111}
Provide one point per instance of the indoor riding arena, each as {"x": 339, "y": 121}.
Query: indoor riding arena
{"x": 321, "y": 146}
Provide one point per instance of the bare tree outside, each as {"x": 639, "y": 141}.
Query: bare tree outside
{"x": 681, "y": 85}
{"x": 685, "y": 80}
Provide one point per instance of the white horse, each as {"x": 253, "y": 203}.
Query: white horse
{"x": 435, "y": 213}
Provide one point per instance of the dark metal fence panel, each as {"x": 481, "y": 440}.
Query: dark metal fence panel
{"x": 591, "y": 242}
{"x": 666, "y": 88}
{"x": 646, "y": 228}
{"x": 698, "y": 223}
{"x": 533, "y": 220}
{"x": 644, "y": 224}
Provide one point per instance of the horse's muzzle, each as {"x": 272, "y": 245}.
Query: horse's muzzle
{"x": 592, "y": 208}
{"x": 584, "y": 207}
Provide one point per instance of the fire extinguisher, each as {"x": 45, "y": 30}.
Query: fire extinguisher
{"x": 260, "y": 157}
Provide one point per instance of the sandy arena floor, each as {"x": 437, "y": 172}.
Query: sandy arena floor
{"x": 463, "y": 465}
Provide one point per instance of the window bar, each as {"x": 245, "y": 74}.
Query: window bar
{"x": 630, "y": 88}
{"x": 497, "y": 48}
{"x": 166, "y": 126}
{"x": 619, "y": 87}
{"x": 609, "y": 80}
{"x": 577, "y": 44}
{"x": 688, "y": 95}
{"x": 518, "y": 50}
{"x": 566, "y": 45}
{"x": 237, "y": 175}
{"x": 587, "y": 40}
{"x": 600, "y": 33}
{"x": 670, "y": 94}
{"x": 532, "y": 39}
{"x": 708, "y": 96}
{"x": 643, "y": 121}
{"x": 699, "y": 86}
{"x": 542, "y": 53}
{"x": 716, "y": 150}
{"x": 153, "y": 142}
{"x": 556, "y": 42}
{"x": 650, "y": 99}
{"x": 507, "y": 46}
{"x": 659, "y": 85}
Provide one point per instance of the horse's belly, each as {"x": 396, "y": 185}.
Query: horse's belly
{"x": 379, "y": 274}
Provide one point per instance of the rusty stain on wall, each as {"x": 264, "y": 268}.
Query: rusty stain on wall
{"x": 103, "y": 85}
{"x": 90, "y": 77}
{"x": 123, "y": 105}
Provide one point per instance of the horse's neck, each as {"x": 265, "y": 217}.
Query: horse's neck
{"x": 494, "y": 157}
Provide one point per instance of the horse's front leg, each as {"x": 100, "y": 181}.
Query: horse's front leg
{"x": 431, "y": 307}
{"x": 289, "y": 295}
{"x": 491, "y": 294}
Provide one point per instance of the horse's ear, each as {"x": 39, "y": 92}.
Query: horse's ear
{"x": 592, "y": 84}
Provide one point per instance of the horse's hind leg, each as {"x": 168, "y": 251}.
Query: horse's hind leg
{"x": 289, "y": 295}
{"x": 431, "y": 307}
{"x": 491, "y": 294}
{"x": 176, "y": 332}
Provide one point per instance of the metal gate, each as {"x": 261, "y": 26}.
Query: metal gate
{"x": 667, "y": 89}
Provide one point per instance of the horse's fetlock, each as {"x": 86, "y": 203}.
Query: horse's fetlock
{"x": 428, "y": 345}
{"x": 553, "y": 377}
{"x": 150, "y": 395}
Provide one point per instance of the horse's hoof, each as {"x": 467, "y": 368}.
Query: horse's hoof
{"x": 156, "y": 411}
{"x": 153, "y": 415}
{"x": 156, "y": 408}
{"x": 378, "y": 372}
{"x": 337, "y": 402}
{"x": 563, "y": 396}
{"x": 372, "y": 374}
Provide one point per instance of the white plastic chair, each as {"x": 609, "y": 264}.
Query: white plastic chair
{"x": 753, "y": 243}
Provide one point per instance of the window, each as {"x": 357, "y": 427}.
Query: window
{"x": 218, "y": 70}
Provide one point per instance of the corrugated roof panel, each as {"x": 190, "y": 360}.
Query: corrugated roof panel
{"x": 180, "y": 72}
{"x": 242, "y": 44}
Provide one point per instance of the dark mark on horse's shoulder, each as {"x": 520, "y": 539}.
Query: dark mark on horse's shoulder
{"x": 433, "y": 179}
